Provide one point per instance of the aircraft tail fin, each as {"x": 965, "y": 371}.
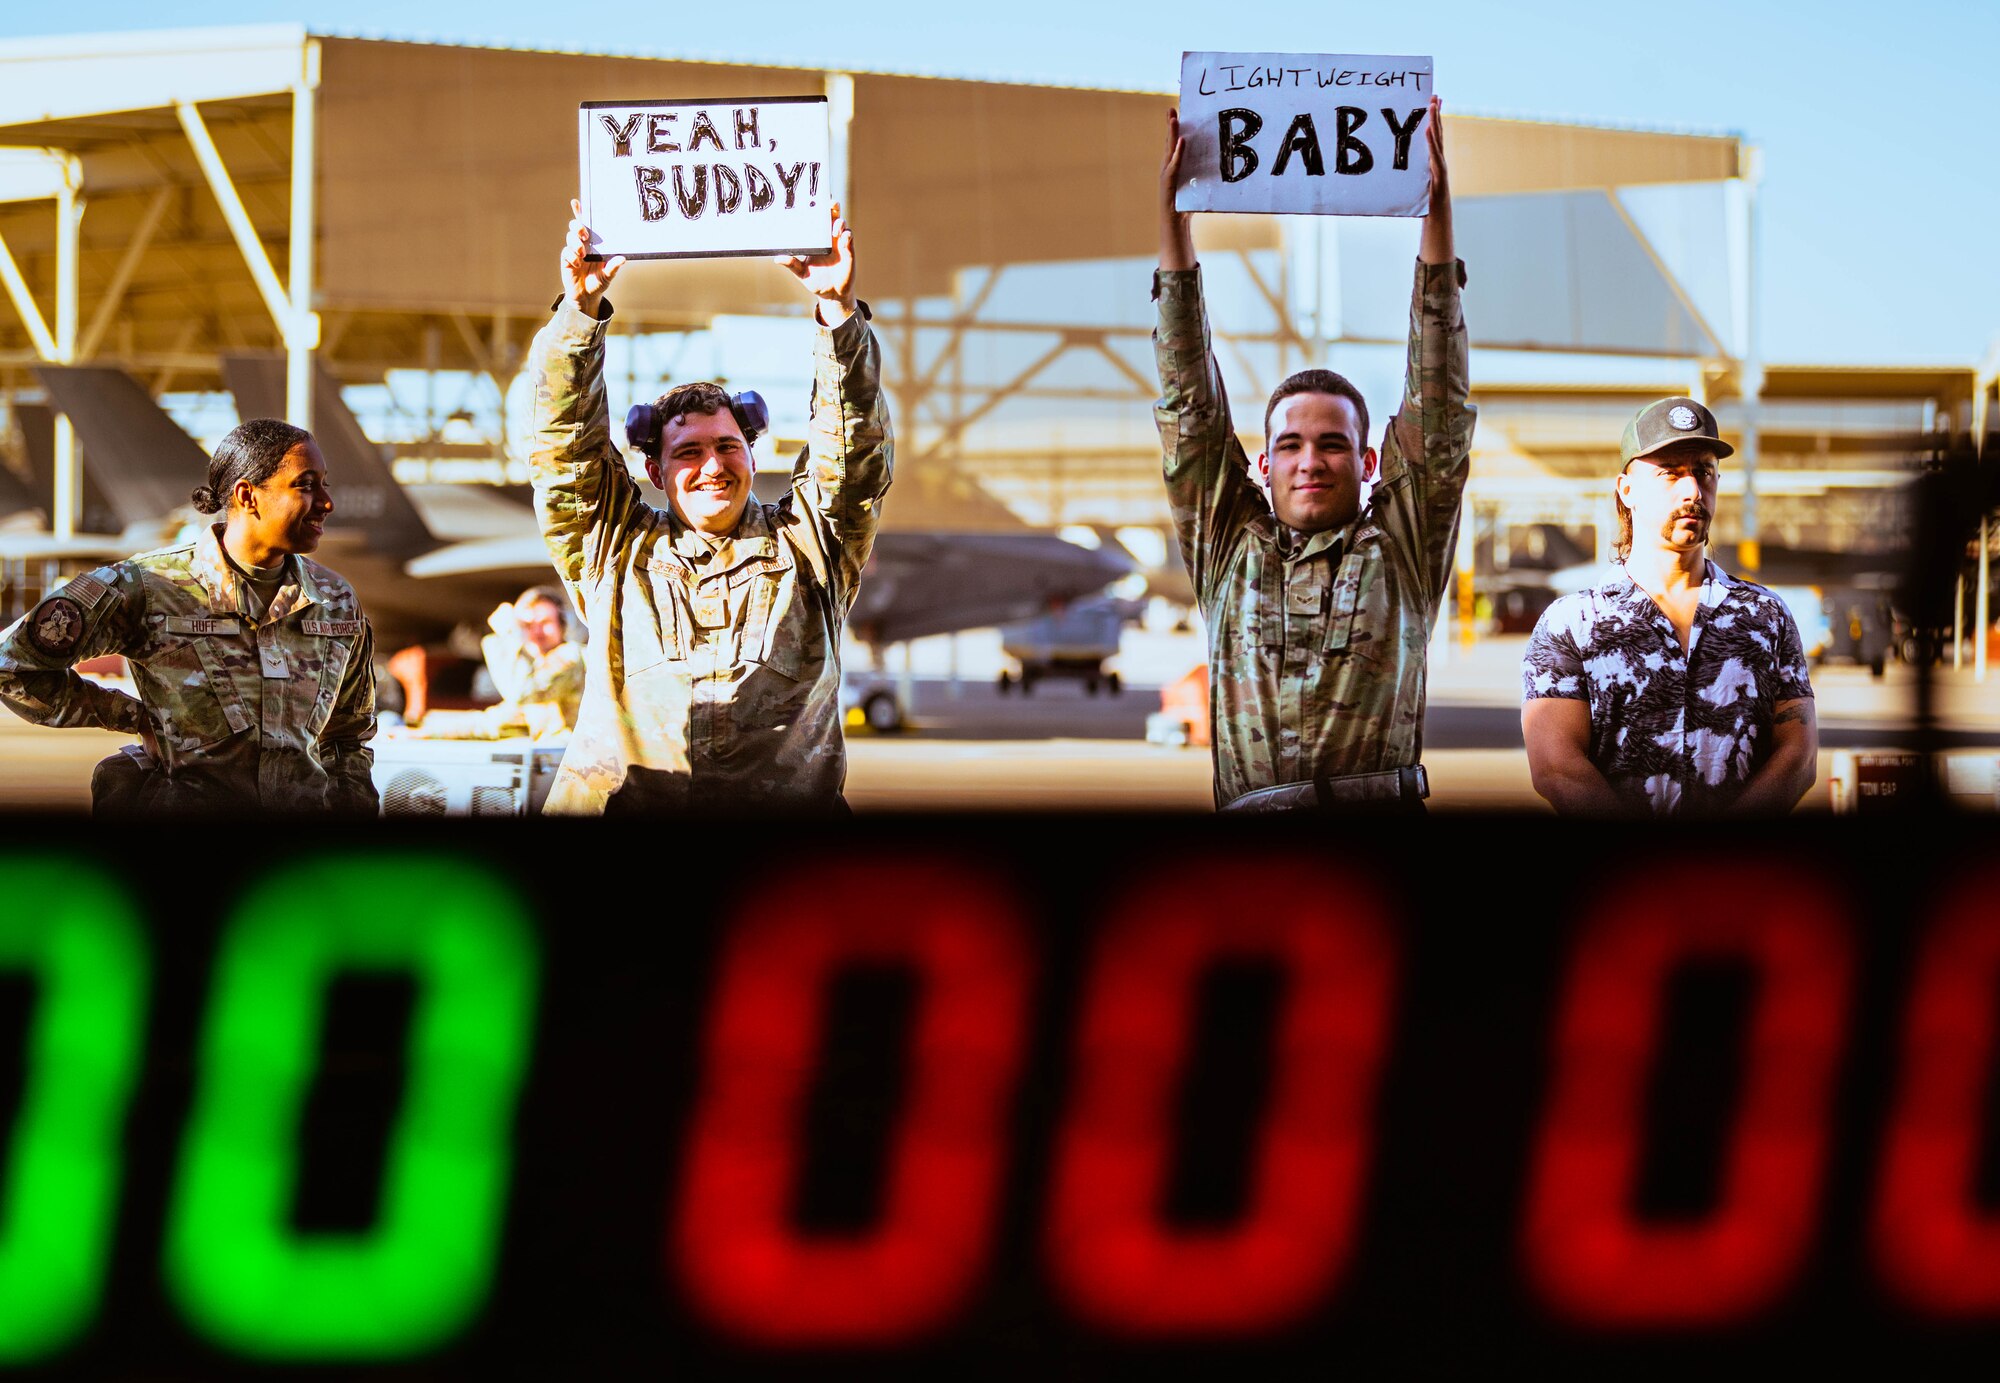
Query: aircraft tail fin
{"x": 138, "y": 461}
{"x": 17, "y": 496}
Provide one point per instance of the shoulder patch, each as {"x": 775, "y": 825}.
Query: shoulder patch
{"x": 333, "y": 628}
{"x": 56, "y": 626}
{"x": 86, "y": 590}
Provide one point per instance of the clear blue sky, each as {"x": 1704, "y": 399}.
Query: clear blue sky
{"x": 1878, "y": 121}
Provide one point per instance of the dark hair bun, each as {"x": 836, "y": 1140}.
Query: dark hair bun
{"x": 204, "y": 500}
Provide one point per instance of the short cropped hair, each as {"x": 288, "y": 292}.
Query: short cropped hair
{"x": 1319, "y": 382}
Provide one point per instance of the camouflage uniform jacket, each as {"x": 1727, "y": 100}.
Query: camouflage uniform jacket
{"x": 272, "y": 713}
{"x": 1316, "y": 645}
{"x": 713, "y": 672}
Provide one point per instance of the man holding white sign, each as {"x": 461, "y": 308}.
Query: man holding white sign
{"x": 688, "y": 179}
{"x": 714, "y": 663}
{"x": 1304, "y": 135}
{"x": 1319, "y": 611}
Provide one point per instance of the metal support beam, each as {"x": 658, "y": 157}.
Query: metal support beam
{"x": 1982, "y": 392}
{"x": 1285, "y": 333}
{"x": 886, "y": 320}
{"x": 276, "y": 300}
{"x": 1674, "y": 286}
{"x": 1147, "y": 388}
{"x": 840, "y": 119}
{"x": 300, "y": 326}
{"x": 962, "y": 320}
{"x": 1234, "y": 344}
{"x": 958, "y": 425}
{"x": 183, "y": 343}
{"x": 69, "y": 461}
{"x": 1958, "y": 623}
{"x": 1982, "y": 600}
{"x": 25, "y": 305}
{"x": 1749, "y": 551}
{"x": 482, "y": 358}
{"x": 121, "y": 277}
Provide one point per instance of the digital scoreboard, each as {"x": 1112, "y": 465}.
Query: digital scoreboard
{"x": 998, "y": 1097}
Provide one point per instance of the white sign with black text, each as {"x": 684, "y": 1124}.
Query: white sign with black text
{"x": 716, "y": 177}
{"x": 1305, "y": 133}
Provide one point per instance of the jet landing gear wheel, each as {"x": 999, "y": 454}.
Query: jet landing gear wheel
{"x": 882, "y": 713}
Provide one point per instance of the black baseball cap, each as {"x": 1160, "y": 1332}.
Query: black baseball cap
{"x": 1660, "y": 425}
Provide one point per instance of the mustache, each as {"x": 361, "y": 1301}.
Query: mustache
{"x": 1690, "y": 511}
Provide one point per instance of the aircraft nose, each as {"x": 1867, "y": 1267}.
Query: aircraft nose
{"x": 1114, "y": 563}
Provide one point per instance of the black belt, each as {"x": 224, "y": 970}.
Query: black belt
{"x": 1392, "y": 787}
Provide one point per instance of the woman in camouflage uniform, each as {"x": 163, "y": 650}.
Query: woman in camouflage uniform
{"x": 252, "y": 662}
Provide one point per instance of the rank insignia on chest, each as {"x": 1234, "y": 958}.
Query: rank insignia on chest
{"x": 711, "y": 610}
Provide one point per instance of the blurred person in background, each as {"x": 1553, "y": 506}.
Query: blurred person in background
{"x": 535, "y": 668}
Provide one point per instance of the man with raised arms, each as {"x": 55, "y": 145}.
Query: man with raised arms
{"x": 1318, "y": 610}
{"x": 713, "y": 668}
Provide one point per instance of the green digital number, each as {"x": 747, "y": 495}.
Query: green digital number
{"x": 78, "y": 936}
{"x": 241, "y": 1274}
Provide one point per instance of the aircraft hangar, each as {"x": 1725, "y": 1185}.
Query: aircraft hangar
{"x": 372, "y": 206}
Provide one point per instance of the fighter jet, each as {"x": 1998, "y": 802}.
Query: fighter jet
{"x": 457, "y": 541}
{"x": 426, "y": 559}
{"x": 138, "y": 470}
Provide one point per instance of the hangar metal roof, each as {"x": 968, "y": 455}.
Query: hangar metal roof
{"x": 442, "y": 176}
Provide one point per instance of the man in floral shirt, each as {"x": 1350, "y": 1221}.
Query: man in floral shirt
{"x": 1672, "y": 688}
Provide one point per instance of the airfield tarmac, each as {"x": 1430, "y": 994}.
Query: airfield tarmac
{"x": 973, "y": 749}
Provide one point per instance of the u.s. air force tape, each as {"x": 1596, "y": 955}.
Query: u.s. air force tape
{"x": 333, "y": 628}
{"x": 56, "y": 626}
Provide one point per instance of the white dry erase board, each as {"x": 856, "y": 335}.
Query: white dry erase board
{"x": 1326, "y": 134}
{"x": 695, "y": 179}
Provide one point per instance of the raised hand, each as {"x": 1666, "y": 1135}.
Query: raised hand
{"x": 1436, "y": 246}
{"x": 828, "y": 277}
{"x": 584, "y": 279}
{"x": 1176, "y": 230}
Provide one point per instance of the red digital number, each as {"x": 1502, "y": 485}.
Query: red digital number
{"x": 1111, "y": 1256}
{"x": 1587, "y": 1253}
{"x": 1937, "y": 1250}
{"x": 742, "y": 1265}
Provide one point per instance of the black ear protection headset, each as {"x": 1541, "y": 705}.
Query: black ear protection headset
{"x": 643, "y": 421}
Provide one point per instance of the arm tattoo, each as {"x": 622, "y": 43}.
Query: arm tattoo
{"x": 1788, "y": 715}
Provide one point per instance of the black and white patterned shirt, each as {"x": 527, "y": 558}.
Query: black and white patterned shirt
{"x": 1679, "y": 733}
